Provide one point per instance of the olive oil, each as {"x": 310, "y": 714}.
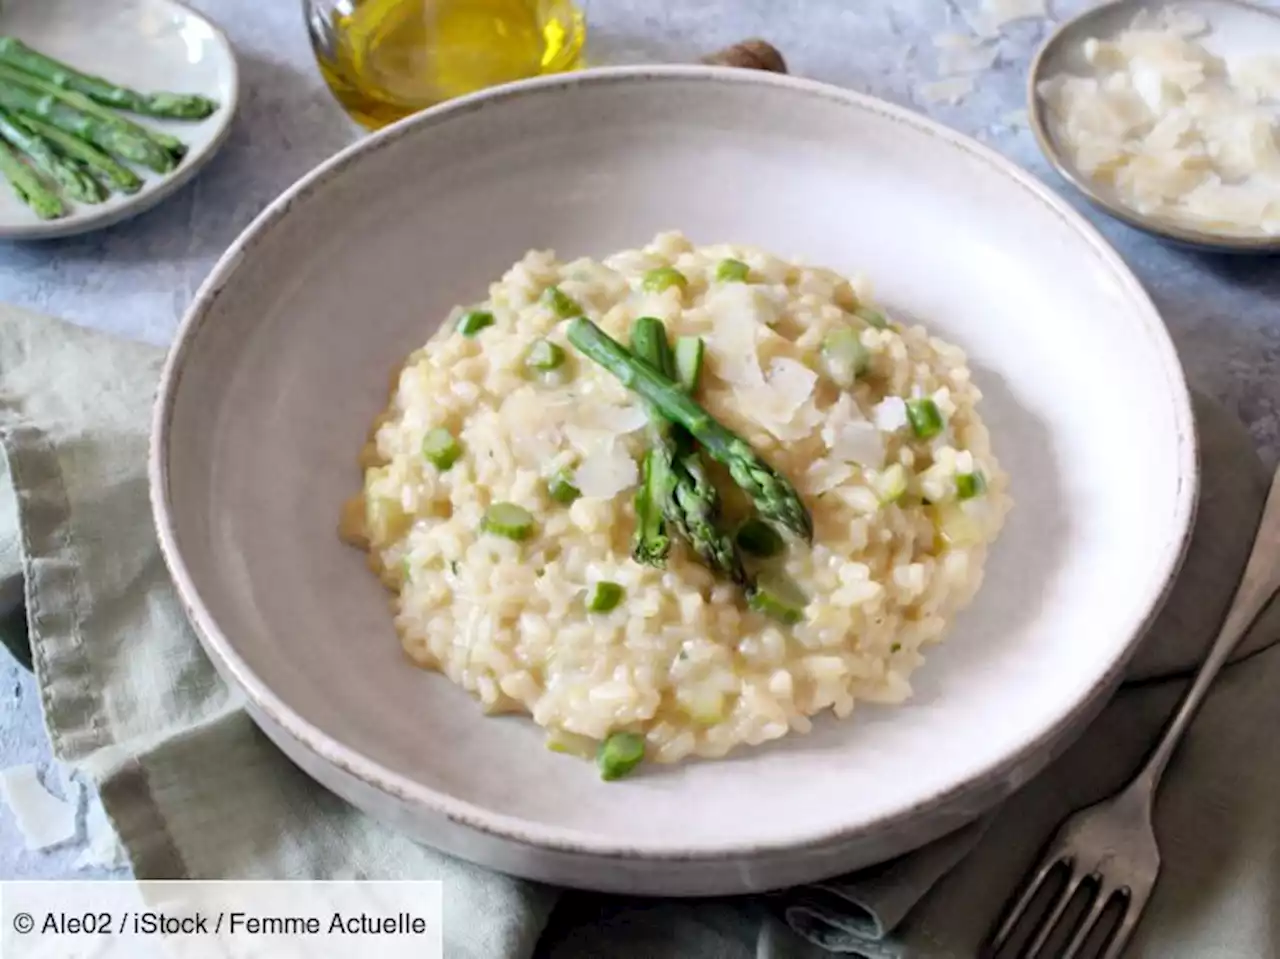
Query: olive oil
{"x": 386, "y": 59}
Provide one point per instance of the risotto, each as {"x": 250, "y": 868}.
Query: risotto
{"x": 678, "y": 500}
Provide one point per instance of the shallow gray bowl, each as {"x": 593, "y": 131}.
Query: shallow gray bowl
{"x": 282, "y": 363}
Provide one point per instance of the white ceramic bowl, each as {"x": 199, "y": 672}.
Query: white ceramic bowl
{"x": 283, "y": 361}
{"x": 146, "y": 44}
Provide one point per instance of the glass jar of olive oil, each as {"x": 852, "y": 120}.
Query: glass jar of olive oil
{"x": 386, "y": 59}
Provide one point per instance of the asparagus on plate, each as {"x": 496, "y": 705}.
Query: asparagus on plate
{"x": 89, "y": 156}
{"x": 24, "y": 99}
{"x": 168, "y": 150}
{"x": 774, "y": 497}
{"x": 176, "y": 106}
{"x": 78, "y": 184}
{"x": 26, "y": 183}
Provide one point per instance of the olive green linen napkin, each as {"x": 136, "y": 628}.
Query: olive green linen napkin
{"x": 195, "y": 791}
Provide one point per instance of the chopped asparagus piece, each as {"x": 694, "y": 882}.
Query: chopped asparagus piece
{"x": 440, "y": 448}
{"x": 509, "y": 520}
{"x": 778, "y": 597}
{"x": 565, "y": 306}
{"x": 473, "y": 321}
{"x": 689, "y": 355}
{"x": 544, "y": 356}
{"x": 925, "y": 418}
{"x": 844, "y": 357}
{"x": 604, "y": 596}
{"x": 663, "y": 278}
{"x": 561, "y": 489}
{"x": 758, "y": 538}
{"x": 619, "y": 754}
{"x": 732, "y": 271}
{"x": 774, "y": 497}
{"x": 969, "y": 485}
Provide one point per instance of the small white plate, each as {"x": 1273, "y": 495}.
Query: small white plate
{"x": 145, "y": 44}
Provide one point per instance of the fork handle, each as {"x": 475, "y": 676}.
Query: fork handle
{"x": 1259, "y": 586}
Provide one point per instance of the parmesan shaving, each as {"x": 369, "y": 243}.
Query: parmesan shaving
{"x": 950, "y": 91}
{"x": 1000, "y": 12}
{"x": 781, "y": 404}
{"x": 1171, "y": 130}
{"x": 890, "y": 414}
{"x": 859, "y": 443}
{"x": 958, "y": 54}
{"x": 43, "y": 819}
{"x": 606, "y": 471}
{"x": 990, "y": 19}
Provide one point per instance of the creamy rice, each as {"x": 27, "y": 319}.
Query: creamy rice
{"x": 681, "y": 660}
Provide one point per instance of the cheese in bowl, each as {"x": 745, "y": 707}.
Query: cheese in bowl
{"x": 678, "y": 500}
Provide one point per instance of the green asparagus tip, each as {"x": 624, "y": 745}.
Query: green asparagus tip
{"x": 180, "y": 106}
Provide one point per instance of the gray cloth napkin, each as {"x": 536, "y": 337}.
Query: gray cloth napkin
{"x": 195, "y": 791}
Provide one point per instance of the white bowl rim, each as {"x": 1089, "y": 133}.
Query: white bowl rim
{"x": 541, "y": 836}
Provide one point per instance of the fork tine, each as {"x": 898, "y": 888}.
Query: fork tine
{"x": 1089, "y": 921}
{"x": 1133, "y": 912}
{"x": 1015, "y": 911}
{"x": 1050, "y": 922}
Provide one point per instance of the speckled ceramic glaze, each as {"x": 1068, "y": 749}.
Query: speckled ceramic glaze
{"x": 282, "y": 363}
{"x": 1240, "y": 30}
{"x": 146, "y": 44}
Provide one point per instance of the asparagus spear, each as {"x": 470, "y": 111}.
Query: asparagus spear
{"x": 26, "y": 184}
{"x": 79, "y": 186}
{"x": 97, "y": 162}
{"x": 171, "y": 148}
{"x": 651, "y": 543}
{"x": 177, "y": 106}
{"x": 774, "y": 497}
{"x": 688, "y": 499}
{"x": 23, "y": 99}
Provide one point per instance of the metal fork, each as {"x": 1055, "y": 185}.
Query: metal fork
{"x": 1112, "y": 845}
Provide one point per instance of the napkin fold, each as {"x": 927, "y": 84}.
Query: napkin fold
{"x": 194, "y": 790}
